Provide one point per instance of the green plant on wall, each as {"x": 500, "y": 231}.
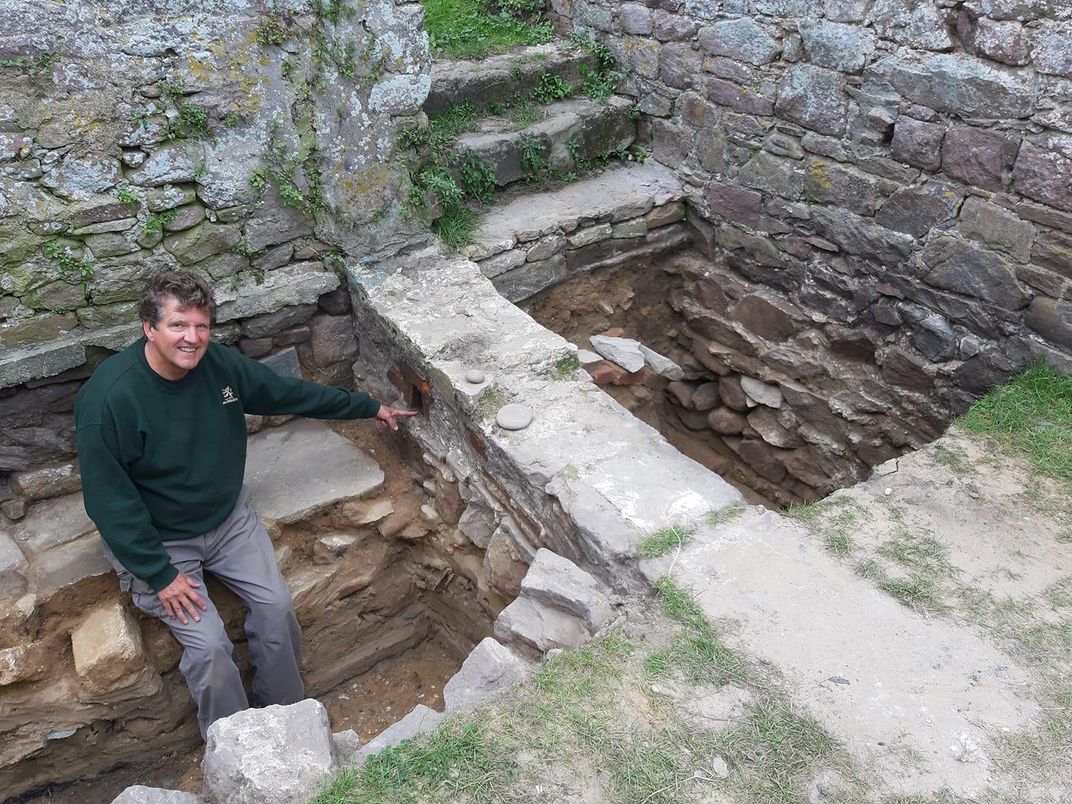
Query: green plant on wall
{"x": 71, "y": 268}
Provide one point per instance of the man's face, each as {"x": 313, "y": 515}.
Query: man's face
{"x": 178, "y": 341}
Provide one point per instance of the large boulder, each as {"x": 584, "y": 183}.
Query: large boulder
{"x": 274, "y": 755}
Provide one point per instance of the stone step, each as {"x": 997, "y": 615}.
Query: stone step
{"x": 534, "y": 239}
{"x": 572, "y": 131}
{"x": 496, "y": 79}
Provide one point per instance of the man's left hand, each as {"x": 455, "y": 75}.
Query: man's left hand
{"x": 388, "y": 417}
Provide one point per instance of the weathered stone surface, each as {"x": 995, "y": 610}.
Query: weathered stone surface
{"x": 982, "y": 158}
{"x": 540, "y": 626}
{"x": 169, "y": 197}
{"x": 170, "y": 163}
{"x": 79, "y": 178}
{"x": 761, "y": 393}
{"x": 300, "y": 468}
{"x": 960, "y": 84}
{"x": 477, "y": 523}
{"x": 845, "y": 48}
{"x": 488, "y": 670}
{"x": 420, "y": 720}
{"x": 109, "y": 657}
{"x": 917, "y": 210}
{"x": 910, "y": 23}
{"x": 531, "y": 277}
{"x": 52, "y": 481}
{"x": 963, "y": 268}
{"x": 763, "y": 459}
{"x": 140, "y": 794}
{"x": 1052, "y": 53}
{"x": 1053, "y": 250}
{"x": 44, "y": 360}
{"x": 661, "y": 365}
{"x": 814, "y": 98}
{"x": 828, "y": 182}
{"x": 333, "y": 339}
{"x": 734, "y": 203}
{"x": 777, "y": 428}
{"x": 623, "y": 351}
{"x": 859, "y": 236}
{"x": 1043, "y": 171}
{"x": 202, "y": 241}
{"x": 774, "y": 175}
{"x": 28, "y": 662}
{"x": 300, "y": 283}
{"x": 271, "y": 323}
{"x": 741, "y": 40}
{"x": 271, "y": 755}
{"x": 901, "y": 368}
{"x": 998, "y": 41}
{"x": 997, "y": 228}
{"x": 636, "y": 18}
{"x": 934, "y": 338}
{"x": 557, "y": 581}
{"x": 745, "y": 100}
{"x": 705, "y": 397}
{"x": 726, "y": 421}
{"x": 732, "y": 393}
{"x": 1052, "y": 320}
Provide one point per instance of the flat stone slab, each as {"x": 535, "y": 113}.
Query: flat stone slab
{"x": 420, "y": 720}
{"x": 917, "y": 700}
{"x": 632, "y": 188}
{"x": 488, "y": 670}
{"x": 304, "y": 466}
{"x": 53, "y": 523}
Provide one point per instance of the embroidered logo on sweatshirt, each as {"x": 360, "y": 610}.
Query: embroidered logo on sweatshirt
{"x": 229, "y": 395}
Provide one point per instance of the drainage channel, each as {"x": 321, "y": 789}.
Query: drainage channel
{"x": 390, "y": 592}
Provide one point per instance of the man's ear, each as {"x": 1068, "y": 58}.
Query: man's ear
{"x": 147, "y": 328}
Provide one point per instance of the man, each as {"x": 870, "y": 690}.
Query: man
{"x": 162, "y": 448}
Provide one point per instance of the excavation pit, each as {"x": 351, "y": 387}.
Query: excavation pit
{"x": 390, "y": 593}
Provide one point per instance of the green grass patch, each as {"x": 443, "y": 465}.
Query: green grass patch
{"x": 953, "y": 457}
{"x": 455, "y": 761}
{"x": 773, "y": 751}
{"x": 469, "y": 29}
{"x": 664, "y": 540}
{"x": 728, "y": 513}
{"x": 922, "y": 553}
{"x": 441, "y": 130}
{"x": 834, "y": 519}
{"x": 1032, "y": 417}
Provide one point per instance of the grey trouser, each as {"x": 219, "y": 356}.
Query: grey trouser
{"x": 239, "y": 553}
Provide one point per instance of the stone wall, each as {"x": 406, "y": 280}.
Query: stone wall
{"x": 248, "y": 142}
{"x": 895, "y": 172}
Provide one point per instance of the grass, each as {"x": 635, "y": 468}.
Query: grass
{"x": 664, "y": 540}
{"x": 833, "y": 519}
{"x": 954, "y": 458}
{"x": 1031, "y": 417}
{"x": 469, "y": 29}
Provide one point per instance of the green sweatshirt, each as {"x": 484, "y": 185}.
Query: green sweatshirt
{"x": 164, "y": 459}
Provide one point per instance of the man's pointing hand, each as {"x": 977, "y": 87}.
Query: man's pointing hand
{"x": 179, "y": 597}
{"x": 387, "y": 416}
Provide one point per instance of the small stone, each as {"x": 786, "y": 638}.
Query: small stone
{"x": 886, "y": 468}
{"x": 585, "y": 357}
{"x": 514, "y": 417}
{"x": 720, "y": 768}
{"x": 761, "y": 392}
{"x": 663, "y": 366}
{"x": 623, "y": 351}
{"x": 474, "y": 376}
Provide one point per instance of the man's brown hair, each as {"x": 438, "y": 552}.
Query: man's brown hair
{"x": 187, "y": 288}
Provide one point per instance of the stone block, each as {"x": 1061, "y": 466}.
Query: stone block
{"x": 917, "y": 210}
{"x": 623, "y": 351}
{"x": 28, "y": 662}
{"x": 997, "y": 228}
{"x": 762, "y": 459}
{"x": 903, "y": 369}
{"x": 345, "y": 747}
{"x": 962, "y": 268}
{"x": 69, "y": 565}
{"x": 726, "y": 421}
{"x": 777, "y": 428}
{"x": 532, "y": 277}
{"x": 861, "y": 237}
{"x": 53, "y": 523}
{"x": 273, "y": 755}
{"x": 636, "y": 18}
{"x": 40, "y": 360}
{"x": 813, "y": 97}
{"x": 1052, "y": 53}
{"x": 304, "y": 467}
{"x": 761, "y": 393}
{"x": 540, "y": 626}
{"x": 911, "y": 23}
{"x": 333, "y": 340}
{"x": 978, "y": 157}
{"x": 109, "y": 657}
{"x": 734, "y": 202}
{"x": 1053, "y": 250}
{"x": 420, "y": 720}
{"x": 202, "y": 241}
{"x": 1043, "y": 171}
{"x": 741, "y": 99}
{"x": 297, "y": 284}
{"x": 489, "y": 669}
{"x": 170, "y": 163}
{"x": 960, "y": 84}
{"x": 732, "y": 393}
{"x": 741, "y": 40}
{"x": 782, "y": 177}
{"x": 140, "y": 794}
{"x": 557, "y": 581}
{"x": 506, "y": 560}
{"x": 828, "y": 182}
{"x": 261, "y": 326}
{"x": 1052, "y": 320}
{"x": 998, "y": 41}
{"x": 845, "y": 48}
{"x": 43, "y": 484}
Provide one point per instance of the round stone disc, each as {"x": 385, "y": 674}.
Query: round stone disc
{"x": 475, "y": 376}
{"x": 513, "y": 417}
